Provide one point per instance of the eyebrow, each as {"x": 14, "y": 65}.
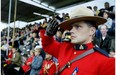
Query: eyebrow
{"x": 76, "y": 24}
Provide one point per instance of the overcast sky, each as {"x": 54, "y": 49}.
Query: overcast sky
{"x": 99, "y": 3}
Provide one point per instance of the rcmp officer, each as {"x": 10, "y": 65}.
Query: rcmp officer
{"x": 80, "y": 56}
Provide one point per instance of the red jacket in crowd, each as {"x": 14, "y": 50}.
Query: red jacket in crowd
{"x": 48, "y": 68}
{"x": 27, "y": 67}
{"x": 10, "y": 54}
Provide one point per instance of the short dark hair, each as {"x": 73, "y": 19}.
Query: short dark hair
{"x": 106, "y": 3}
{"x": 91, "y": 23}
{"x": 108, "y": 13}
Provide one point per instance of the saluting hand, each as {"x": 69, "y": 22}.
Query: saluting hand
{"x": 52, "y": 27}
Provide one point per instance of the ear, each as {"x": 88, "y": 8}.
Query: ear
{"x": 92, "y": 30}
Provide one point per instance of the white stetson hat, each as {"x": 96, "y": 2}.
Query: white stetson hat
{"x": 81, "y": 14}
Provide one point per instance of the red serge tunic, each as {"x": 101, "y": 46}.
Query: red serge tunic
{"x": 93, "y": 64}
{"x": 51, "y": 68}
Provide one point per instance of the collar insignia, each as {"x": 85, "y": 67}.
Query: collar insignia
{"x": 80, "y": 47}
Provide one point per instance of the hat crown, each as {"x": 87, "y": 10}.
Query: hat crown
{"x": 81, "y": 12}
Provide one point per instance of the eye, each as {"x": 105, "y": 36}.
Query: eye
{"x": 77, "y": 27}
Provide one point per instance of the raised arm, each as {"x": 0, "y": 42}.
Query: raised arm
{"x": 49, "y": 44}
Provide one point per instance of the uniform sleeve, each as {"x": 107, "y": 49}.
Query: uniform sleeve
{"x": 108, "y": 68}
{"x": 50, "y": 45}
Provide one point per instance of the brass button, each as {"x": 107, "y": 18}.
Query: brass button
{"x": 75, "y": 52}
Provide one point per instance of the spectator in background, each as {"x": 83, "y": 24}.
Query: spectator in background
{"x": 25, "y": 69}
{"x": 24, "y": 58}
{"x": 109, "y": 22}
{"x": 28, "y": 44}
{"x": 26, "y": 30}
{"x": 48, "y": 66}
{"x": 36, "y": 42}
{"x": 34, "y": 35}
{"x": 44, "y": 23}
{"x": 89, "y": 7}
{"x": 16, "y": 43}
{"x": 15, "y": 62}
{"x": 66, "y": 36}
{"x": 107, "y": 6}
{"x": 58, "y": 18}
{"x": 5, "y": 62}
{"x": 63, "y": 17}
{"x": 40, "y": 46}
{"x": 104, "y": 41}
{"x": 95, "y": 10}
{"x": 111, "y": 31}
{"x": 32, "y": 28}
{"x": 36, "y": 30}
{"x": 67, "y": 17}
{"x": 37, "y": 62}
{"x": 16, "y": 59}
{"x": 105, "y": 14}
{"x": 31, "y": 37}
{"x": 4, "y": 48}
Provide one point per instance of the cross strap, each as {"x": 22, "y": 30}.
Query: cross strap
{"x": 75, "y": 59}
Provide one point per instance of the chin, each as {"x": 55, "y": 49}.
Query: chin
{"x": 74, "y": 42}
{"x": 77, "y": 42}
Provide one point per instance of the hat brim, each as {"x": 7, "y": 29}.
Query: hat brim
{"x": 66, "y": 25}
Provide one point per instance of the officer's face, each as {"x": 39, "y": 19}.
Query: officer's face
{"x": 81, "y": 33}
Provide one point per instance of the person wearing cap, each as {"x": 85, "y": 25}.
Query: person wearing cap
{"x": 82, "y": 26}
